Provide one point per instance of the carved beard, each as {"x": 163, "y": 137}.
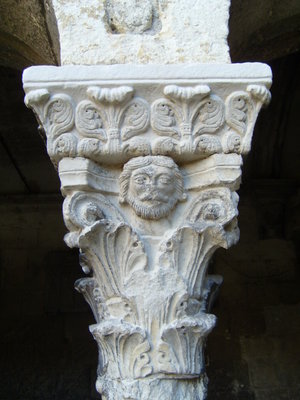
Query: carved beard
{"x": 153, "y": 211}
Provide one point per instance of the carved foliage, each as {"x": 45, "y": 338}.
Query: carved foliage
{"x": 89, "y": 122}
{"x": 126, "y": 345}
{"x": 181, "y": 346}
{"x": 210, "y": 223}
{"x": 89, "y": 289}
{"x": 56, "y": 115}
{"x": 106, "y": 125}
{"x": 242, "y": 108}
{"x": 111, "y": 119}
{"x": 238, "y": 111}
{"x": 129, "y": 344}
{"x": 185, "y": 114}
{"x": 113, "y": 246}
{"x": 196, "y": 123}
{"x": 114, "y": 254}
{"x": 190, "y": 120}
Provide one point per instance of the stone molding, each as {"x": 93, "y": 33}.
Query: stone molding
{"x": 149, "y": 167}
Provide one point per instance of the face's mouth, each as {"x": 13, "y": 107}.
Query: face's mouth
{"x": 154, "y": 197}
{"x": 152, "y": 203}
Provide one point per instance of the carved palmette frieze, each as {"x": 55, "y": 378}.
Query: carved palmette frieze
{"x": 197, "y": 123}
{"x": 184, "y": 117}
{"x": 149, "y": 167}
{"x": 111, "y": 125}
{"x": 106, "y": 124}
{"x": 114, "y": 116}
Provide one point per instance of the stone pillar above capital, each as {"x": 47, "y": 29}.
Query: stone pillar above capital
{"x": 149, "y": 158}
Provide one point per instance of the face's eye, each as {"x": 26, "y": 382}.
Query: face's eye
{"x": 140, "y": 179}
{"x": 164, "y": 180}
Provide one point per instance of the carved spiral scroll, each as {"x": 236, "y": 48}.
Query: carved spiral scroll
{"x": 84, "y": 209}
{"x": 239, "y": 111}
{"x": 88, "y": 121}
{"x": 210, "y": 116}
{"x": 135, "y": 118}
{"x": 59, "y": 115}
{"x": 163, "y": 119}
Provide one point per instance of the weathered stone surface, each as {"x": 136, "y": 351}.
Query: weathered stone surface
{"x": 155, "y": 31}
{"x": 149, "y": 172}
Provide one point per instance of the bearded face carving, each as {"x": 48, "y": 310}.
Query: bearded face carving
{"x": 152, "y": 186}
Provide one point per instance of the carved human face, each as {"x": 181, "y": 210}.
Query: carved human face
{"x": 153, "y": 189}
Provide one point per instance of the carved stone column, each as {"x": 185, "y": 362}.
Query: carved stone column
{"x": 149, "y": 159}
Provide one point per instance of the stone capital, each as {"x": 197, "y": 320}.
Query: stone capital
{"x": 149, "y": 158}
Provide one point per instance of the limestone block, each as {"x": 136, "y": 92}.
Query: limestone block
{"x": 148, "y": 31}
{"x": 149, "y": 159}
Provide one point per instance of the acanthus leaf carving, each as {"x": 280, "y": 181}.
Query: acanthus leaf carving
{"x": 117, "y": 258}
{"x": 188, "y": 251}
{"x": 119, "y": 251}
{"x": 125, "y": 342}
{"x": 210, "y": 223}
{"x": 115, "y": 245}
{"x": 182, "y": 344}
{"x": 88, "y": 287}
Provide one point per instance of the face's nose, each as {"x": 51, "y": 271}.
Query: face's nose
{"x": 150, "y": 183}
